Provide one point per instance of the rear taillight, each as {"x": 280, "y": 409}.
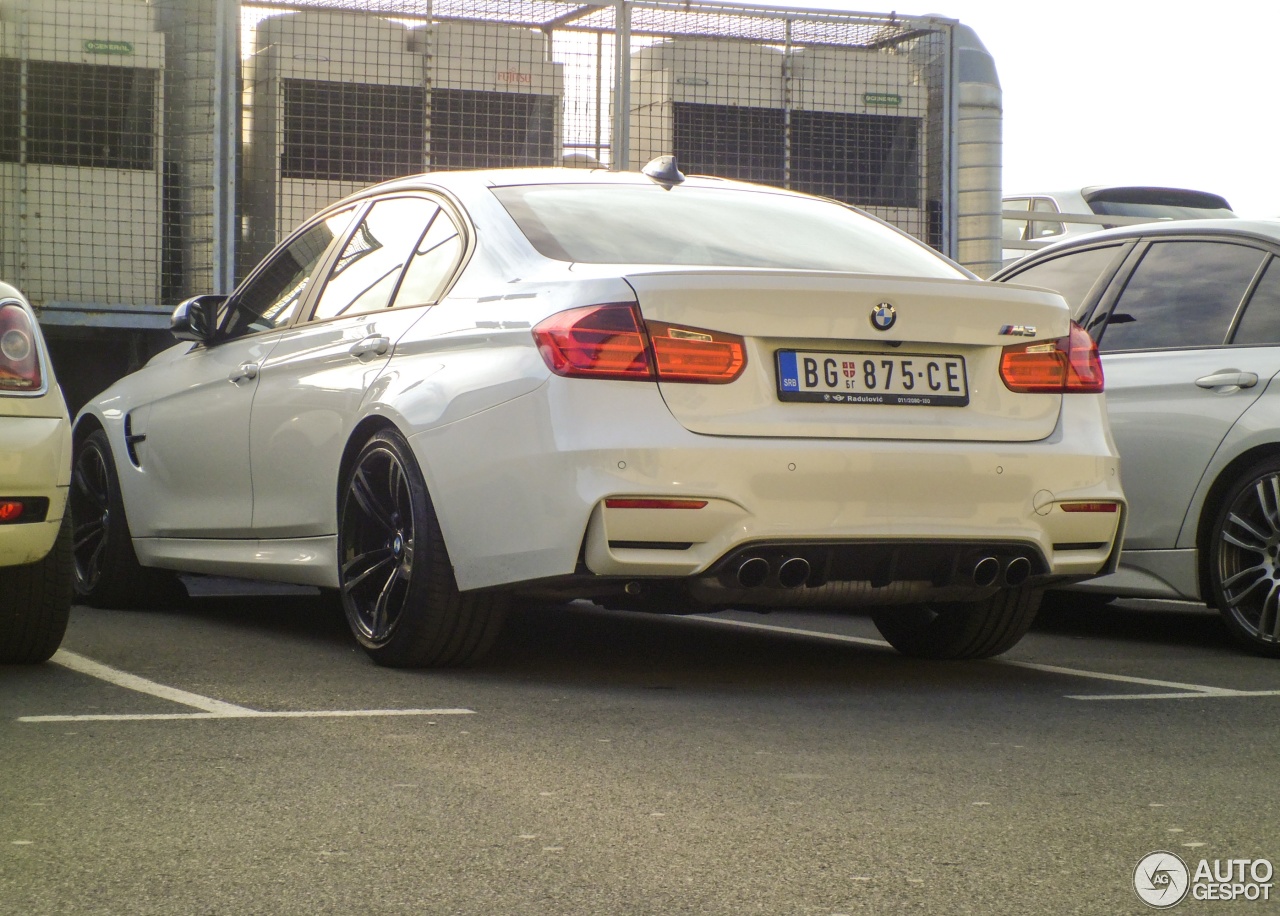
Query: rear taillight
{"x": 1068, "y": 365}
{"x": 19, "y": 357}
{"x": 613, "y": 342}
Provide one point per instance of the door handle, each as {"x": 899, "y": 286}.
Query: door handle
{"x": 375, "y": 345}
{"x": 245, "y": 371}
{"x": 1228, "y": 378}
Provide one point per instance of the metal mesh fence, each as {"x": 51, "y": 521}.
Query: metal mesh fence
{"x": 148, "y": 148}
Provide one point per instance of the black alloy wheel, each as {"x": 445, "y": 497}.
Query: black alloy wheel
{"x": 398, "y": 590}
{"x": 92, "y": 486}
{"x": 1244, "y": 559}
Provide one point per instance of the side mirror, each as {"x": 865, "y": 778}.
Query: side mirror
{"x": 196, "y": 318}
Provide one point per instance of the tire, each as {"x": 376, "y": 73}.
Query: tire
{"x": 35, "y": 604}
{"x": 978, "y": 629}
{"x": 398, "y": 589}
{"x": 106, "y": 570}
{"x": 1244, "y": 559}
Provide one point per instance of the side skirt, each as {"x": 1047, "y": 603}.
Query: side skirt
{"x": 299, "y": 561}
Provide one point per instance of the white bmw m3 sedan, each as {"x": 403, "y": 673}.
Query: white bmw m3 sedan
{"x": 453, "y": 392}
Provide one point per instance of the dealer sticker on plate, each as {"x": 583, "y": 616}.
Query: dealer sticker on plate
{"x": 872, "y": 378}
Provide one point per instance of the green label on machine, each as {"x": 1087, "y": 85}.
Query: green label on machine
{"x": 93, "y": 46}
{"x": 886, "y": 99}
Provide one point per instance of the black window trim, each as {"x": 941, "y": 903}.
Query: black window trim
{"x": 323, "y": 266}
{"x": 440, "y": 200}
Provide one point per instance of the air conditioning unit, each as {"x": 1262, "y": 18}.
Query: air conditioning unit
{"x": 858, "y": 132}
{"x": 335, "y": 102}
{"x": 496, "y": 98}
{"x": 717, "y": 106}
{"x": 81, "y": 147}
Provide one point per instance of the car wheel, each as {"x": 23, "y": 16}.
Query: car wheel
{"x": 978, "y": 629}
{"x": 398, "y": 589}
{"x": 1244, "y": 559}
{"x": 35, "y": 604}
{"x": 107, "y": 572}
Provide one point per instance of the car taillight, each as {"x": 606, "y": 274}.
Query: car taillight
{"x": 1068, "y": 365}
{"x": 19, "y": 358}
{"x": 612, "y": 341}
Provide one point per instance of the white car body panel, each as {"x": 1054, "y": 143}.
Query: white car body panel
{"x": 194, "y": 479}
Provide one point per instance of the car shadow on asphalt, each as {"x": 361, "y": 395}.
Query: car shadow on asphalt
{"x": 580, "y": 644}
{"x": 1158, "y": 623}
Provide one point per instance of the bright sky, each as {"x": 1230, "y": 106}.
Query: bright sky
{"x": 1129, "y": 91}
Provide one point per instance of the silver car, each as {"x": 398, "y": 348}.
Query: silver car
{"x": 1187, "y": 317}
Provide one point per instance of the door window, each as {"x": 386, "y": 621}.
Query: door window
{"x": 1182, "y": 294}
{"x": 1260, "y": 323}
{"x": 271, "y": 297}
{"x": 1073, "y": 275}
{"x": 433, "y": 263}
{"x": 367, "y": 271}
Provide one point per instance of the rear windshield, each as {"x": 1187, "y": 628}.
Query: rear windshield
{"x": 1159, "y": 203}
{"x": 717, "y": 227}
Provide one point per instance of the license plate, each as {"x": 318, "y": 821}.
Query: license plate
{"x": 872, "y": 378}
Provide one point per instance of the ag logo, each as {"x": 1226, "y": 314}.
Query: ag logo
{"x": 1161, "y": 880}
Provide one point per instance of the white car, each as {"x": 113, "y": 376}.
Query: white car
{"x": 455, "y": 390}
{"x": 35, "y": 473}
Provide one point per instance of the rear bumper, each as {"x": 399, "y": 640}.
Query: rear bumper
{"x": 35, "y": 462}
{"x": 533, "y": 508}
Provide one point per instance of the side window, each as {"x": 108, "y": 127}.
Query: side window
{"x": 1260, "y": 323}
{"x": 271, "y": 298}
{"x": 1182, "y": 294}
{"x": 369, "y": 267}
{"x": 1073, "y": 275}
{"x": 1015, "y": 230}
{"x": 1040, "y": 229}
{"x": 433, "y": 263}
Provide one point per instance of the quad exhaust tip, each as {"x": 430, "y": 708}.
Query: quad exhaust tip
{"x": 988, "y": 571}
{"x": 754, "y": 572}
{"x": 793, "y": 573}
{"x": 1017, "y": 572}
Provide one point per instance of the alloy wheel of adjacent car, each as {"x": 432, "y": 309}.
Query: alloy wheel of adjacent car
{"x": 1244, "y": 560}
{"x": 107, "y": 572}
{"x": 398, "y": 589}
{"x": 978, "y": 629}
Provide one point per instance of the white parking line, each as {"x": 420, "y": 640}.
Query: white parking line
{"x": 1183, "y": 691}
{"x": 211, "y": 708}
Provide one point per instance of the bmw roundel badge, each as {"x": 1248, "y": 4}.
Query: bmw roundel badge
{"x": 883, "y": 316}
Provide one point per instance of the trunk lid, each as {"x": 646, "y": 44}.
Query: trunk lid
{"x": 932, "y": 374}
